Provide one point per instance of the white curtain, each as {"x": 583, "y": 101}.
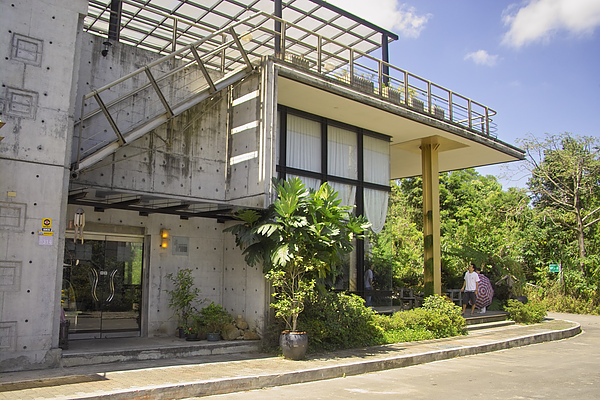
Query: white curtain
{"x": 303, "y": 143}
{"x": 342, "y": 153}
{"x": 342, "y": 150}
{"x": 346, "y": 193}
{"x": 376, "y": 158}
{"x": 309, "y": 183}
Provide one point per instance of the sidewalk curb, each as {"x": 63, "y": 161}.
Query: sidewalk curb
{"x": 237, "y": 384}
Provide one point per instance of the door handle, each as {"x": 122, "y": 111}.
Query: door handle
{"x": 94, "y": 283}
{"x": 111, "y": 285}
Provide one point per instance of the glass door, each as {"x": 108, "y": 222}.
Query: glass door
{"x": 102, "y": 286}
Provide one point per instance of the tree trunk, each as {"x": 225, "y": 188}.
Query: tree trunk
{"x": 580, "y": 242}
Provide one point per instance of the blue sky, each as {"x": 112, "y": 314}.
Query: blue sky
{"x": 536, "y": 62}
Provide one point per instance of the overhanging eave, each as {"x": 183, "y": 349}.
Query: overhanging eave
{"x": 459, "y": 148}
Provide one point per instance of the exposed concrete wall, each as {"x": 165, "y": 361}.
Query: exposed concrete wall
{"x": 247, "y": 144}
{"x": 37, "y": 57}
{"x": 47, "y": 67}
{"x": 219, "y": 269}
{"x": 97, "y": 71}
{"x": 185, "y": 158}
{"x": 220, "y": 150}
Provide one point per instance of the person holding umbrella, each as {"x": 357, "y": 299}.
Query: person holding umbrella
{"x": 484, "y": 293}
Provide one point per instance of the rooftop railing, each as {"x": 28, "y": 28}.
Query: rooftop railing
{"x": 146, "y": 98}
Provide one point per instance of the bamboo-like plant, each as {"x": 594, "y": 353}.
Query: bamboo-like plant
{"x": 302, "y": 236}
{"x": 184, "y": 297}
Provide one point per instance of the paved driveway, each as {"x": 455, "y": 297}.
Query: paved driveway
{"x": 564, "y": 369}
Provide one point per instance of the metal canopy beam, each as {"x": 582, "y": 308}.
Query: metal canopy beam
{"x": 163, "y": 25}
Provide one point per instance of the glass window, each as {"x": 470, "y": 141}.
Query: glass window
{"x": 376, "y": 162}
{"x": 376, "y": 158}
{"x": 303, "y": 143}
{"x": 341, "y": 153}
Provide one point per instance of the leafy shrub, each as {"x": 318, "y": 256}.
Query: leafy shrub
{"x": 338, "y": 321}
{"x": 335, "y": 321}
{"x": 555, "y": 300}
{"x": 437, "y": 318}
{"x": 495, "y": 306}
{"x": 407, "y": 335}
{"x": 440, "y": 316}
{"x": 530, "y": 313}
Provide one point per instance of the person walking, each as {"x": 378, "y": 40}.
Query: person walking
{"x": 469, "y": 288}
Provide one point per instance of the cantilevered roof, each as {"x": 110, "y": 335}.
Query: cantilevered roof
{"x": 164, "y": 25}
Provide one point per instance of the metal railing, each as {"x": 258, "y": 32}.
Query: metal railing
{"x": 144, "y": 99}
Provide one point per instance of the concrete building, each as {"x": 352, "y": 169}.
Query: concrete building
{"x": 125, "y": 120}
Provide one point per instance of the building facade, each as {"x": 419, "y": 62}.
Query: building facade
{"x": 126, "y": 121}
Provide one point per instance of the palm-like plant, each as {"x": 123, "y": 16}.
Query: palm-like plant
{"x": 302, "y": 236}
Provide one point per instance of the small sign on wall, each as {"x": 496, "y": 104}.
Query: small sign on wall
{"x": 180, "y": 245}
{"x": 45, "y": 238}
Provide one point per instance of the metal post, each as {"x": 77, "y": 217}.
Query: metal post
{"x": 406, "y": 88}
{"x": 469, "y": 114}
{"x": 319, "y": 53}
{"x": 282, "y": 43}
{"x": 174, "y": 43}
{"x": 114, "y": 24}
{"x": 429, "y": 97}
{"x": 385, "y": 57}
{"x": 381, "y": 79}
{"x": 278, "y": 13}
{"x": 351, "y": 66}
{"x": 450, "y": 106}
{"x": 487, "y": 121}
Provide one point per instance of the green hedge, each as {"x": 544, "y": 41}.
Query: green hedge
{"x": 530, "y": 313}
{"x": 437, "y": 318}
{"x": 336, "y": 321}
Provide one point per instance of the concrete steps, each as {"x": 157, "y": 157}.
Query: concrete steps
{"x": 491, "y": 319}
{"x": 102, "y": 351}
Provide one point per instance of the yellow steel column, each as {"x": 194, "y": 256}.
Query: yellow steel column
{"x": 431, "y": 217}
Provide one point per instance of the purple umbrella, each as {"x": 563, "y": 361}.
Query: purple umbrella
{"x": 485, "y": 292}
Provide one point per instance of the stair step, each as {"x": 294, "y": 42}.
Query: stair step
{"x": 490, "y": 325}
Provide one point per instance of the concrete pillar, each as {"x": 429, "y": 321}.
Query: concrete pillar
{"x": 431, "y": 217}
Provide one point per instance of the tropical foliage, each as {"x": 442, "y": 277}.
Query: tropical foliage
{"x": 515, "y": 233}
{"x": 300, "y": 238}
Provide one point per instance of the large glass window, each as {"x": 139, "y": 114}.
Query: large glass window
{"x": 354, "y": 162}
{"x": 376, "y": 164}
{"x": 342, "y": 153}
{"x": 303, "y": 144}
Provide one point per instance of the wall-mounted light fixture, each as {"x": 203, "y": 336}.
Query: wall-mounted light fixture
{"x": 164, "y": 238}
{"x": 107, "y": 45}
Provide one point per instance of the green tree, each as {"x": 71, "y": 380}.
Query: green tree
{"x": 302, "y": 236}
{"x": 479, "y": 222}
{"x": 565, "y": 184}
{"x": 400, "y": 243}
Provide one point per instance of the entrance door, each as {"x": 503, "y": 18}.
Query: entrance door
{"x": 102, "y": 286}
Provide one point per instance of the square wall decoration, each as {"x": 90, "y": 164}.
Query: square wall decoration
{"x": 180, "y": 245}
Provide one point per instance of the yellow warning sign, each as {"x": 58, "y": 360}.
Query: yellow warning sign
{"x": 47, "y": 223}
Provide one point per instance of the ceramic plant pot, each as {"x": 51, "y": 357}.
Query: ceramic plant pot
{"x": 293, "y": 344}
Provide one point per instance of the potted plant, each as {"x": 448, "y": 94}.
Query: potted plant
{"x": 302, "y": 236}
{"x": 214, "y": 316}
{"x": 183, "y": 299}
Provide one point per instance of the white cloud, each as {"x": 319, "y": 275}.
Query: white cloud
{"x": 388, "y": 14}
{"x": 482, "y": 57}
{"x": 539, "y": 20}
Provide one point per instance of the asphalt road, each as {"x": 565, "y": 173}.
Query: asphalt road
{"x": 565, "y": 369}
